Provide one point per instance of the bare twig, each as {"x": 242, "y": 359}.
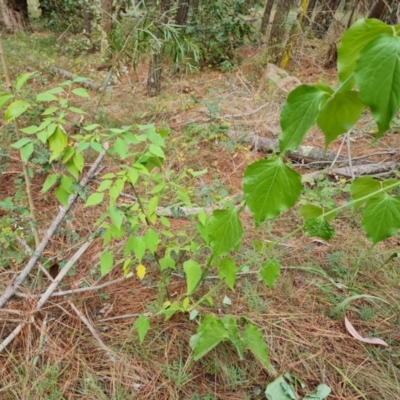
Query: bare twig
{"x": 13, "y": 286}
{"x": 78, "y": 290}
{"x": 66, "y": 74}
{"x": 349, "y": 154}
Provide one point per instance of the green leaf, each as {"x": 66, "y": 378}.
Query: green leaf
{"x": 137, "y": 245}
{"x": 45, "y": 96}
{"x": 121, "y": 148}
{"x": 270, "y": 272}
{"x": 339, "y": 115}
{"x": 354, "y": 40}
{"x": 50, "y": 111}
{"x": 298, "y": 116}
{"x": 62, "y": 196}
{"x": 254, "y": 341}
{"x": 227, "y": 271}
{"x": 381, "y": 217}
{"x": 152, "y": 239}
{"x": 224, "y": 231}
{"x": 142, "y": 324}
{"x": 15, "y": 109}
{"x": 156, "y": 150}
{"x": 80, "y": 92}
{"x": 280, "y": 390}
{"x": 321, "y": 392}
{"x": 72, "y": 169}
{"x": 77, "y": 111}
{"x": 210, "y": 333}
{"x": 78, "y": 161}
{"x": 58, "y": 141}
{"x": 193, "y": 275}
{"x": 78, "y": 79}
{"x": 67, "y": 183}
{"x": 91, "y": 127}
{"x": 319, "y": 227}
{"x": 116, "y": 215}
{"x": 22, "y": 79}
{"x": 233, "y": 332}
{"x": 26, "y": 151}
{"x": 270, "y": 187}
{"x": 49, "y": 182}
{"x": 151, "y": 209}
{"x": 94, "y": 199}
{"x": 4, "y": 98}
{"x": 106, "y": 262}
{"x": 30, "y": 130}
{"x": 377, "y": 75}
{"x": 104, "y": 185}
{"x": 309, "y": 211}
{"x": 21, "y": 143}
{"x": 167, "y": 262}
{"x": 362, "y": 187}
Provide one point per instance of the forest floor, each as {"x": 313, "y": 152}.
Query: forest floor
{"x": 301, "y": 318}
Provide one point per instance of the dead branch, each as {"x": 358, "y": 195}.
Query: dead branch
{"x": 13, "y": 286}
{"x": 68, "y": 75}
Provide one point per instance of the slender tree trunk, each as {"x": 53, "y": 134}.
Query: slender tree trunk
{"x": 277, "y": 38}
{"x": 155, "y": 67}
{"x": 266, "y": 16}
{"x": 327, "y": 13}
{"x": 14, "y": 16}
{"x": 182, "y": 13}
{"x": 86, "y": 18}
{"x": 310, "y": 12}
{"x": 106, "y": 16}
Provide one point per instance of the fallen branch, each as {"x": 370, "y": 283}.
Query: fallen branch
{"x": 68, "y": 75}
{"x": 304, "y": 153}
{"x": 365, "y": 169}
{"x": 13, "y": 286}
{"x": 44, "y": 297}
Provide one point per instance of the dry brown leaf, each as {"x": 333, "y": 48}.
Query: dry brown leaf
{"x": 350, "y": 328}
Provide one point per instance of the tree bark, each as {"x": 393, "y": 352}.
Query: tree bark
{"x": 155, "y": 67}
{"x": 14, "y": 16}
{"x": 266, "y": 16}
{"x": 327, "y": 12}
{"x": 182, "y": 13}
{"x": 106, "y": 16}
{"x": 277, "y": 37}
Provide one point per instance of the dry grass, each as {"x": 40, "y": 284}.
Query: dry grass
{"x": 56, "y": 357}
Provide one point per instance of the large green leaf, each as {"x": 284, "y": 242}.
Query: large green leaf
{"x": 224, "y": 231}
{"x": 354, "y": 40}
{"x": 233, "y": 332}
{"x": 21, "y": 80}
{"x": 362, "y": 187}
{"x": 58, "y": 141}
{"x": 377, "y": 75}
{"x": 381, "y": 217}
{"x": 298, "y": 115}
{"x": 210, "y": 333}
{"x": 254, "y": 341}
{"x": 270, "y": 187}
{"x": 15, "y": 109}
{"x": 270, "y": 272}
{"x": 227, "y": 271}
{"x": 193, "y": 275}
{"x": 339, "y": 115}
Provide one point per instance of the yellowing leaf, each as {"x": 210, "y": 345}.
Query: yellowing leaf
{"x": 141, "y": 271}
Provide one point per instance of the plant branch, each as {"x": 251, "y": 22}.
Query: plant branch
{"x": 12, "y": 288}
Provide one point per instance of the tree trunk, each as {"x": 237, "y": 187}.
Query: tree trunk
{"x": 266, "y": 16}
{"x": 14, "y": 16}
{"x": 327, "y": 12}
{"x": 182, "y": 13}
{"x": 277, "y": 38}
{"x": 106, "y": 16}
{"x": 155, "y": 67}
{"x": 381, "y": 10}
{"x": 310, "y": 12}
